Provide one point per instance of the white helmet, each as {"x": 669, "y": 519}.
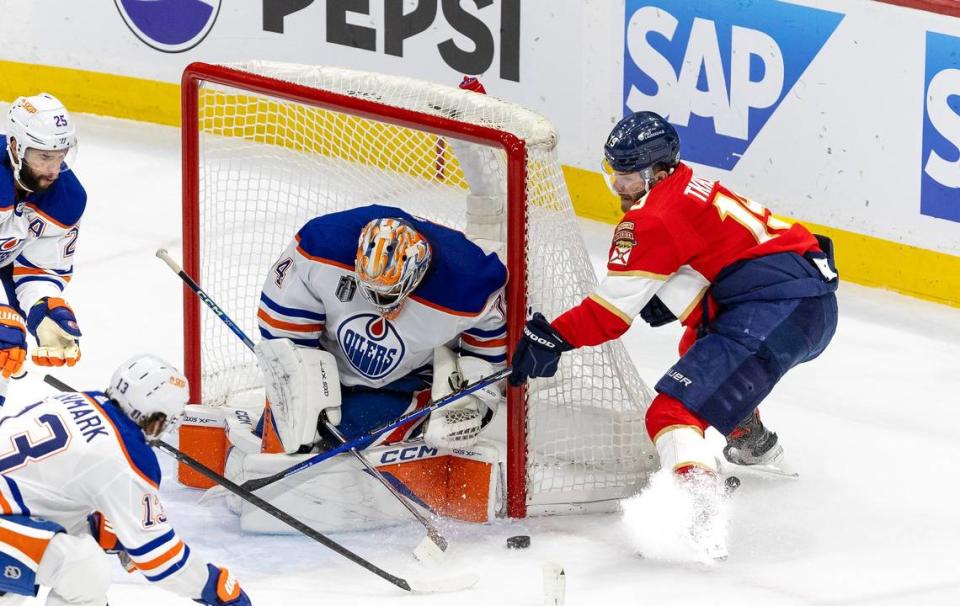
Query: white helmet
{"x": 145, "y": 386}
{"x": 40, "y": 122}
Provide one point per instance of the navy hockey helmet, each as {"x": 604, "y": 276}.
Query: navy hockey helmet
{"x": 640, "y": 141}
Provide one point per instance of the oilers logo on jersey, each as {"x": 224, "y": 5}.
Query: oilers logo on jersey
{"x": 371, "y": 344}
{"x": 8, "y": 246}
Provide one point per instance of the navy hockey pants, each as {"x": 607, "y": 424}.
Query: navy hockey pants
{"x": 755, "y": 338}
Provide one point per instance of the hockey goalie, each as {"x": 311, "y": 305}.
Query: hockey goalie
{"x": 366, "y": 316}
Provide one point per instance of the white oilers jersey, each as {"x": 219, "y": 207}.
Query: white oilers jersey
{"x": 311, "y": 297}
{"x": 38, "y": 234}
{"x": 72, "y": 454}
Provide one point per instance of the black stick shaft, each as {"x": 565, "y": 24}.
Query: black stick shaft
{"x": 260, "y": 503}
{"x": 281, "y": 515}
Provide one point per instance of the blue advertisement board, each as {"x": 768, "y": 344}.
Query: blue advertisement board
{"x": 940, "y": 162}
{"x": 718, "y": 69}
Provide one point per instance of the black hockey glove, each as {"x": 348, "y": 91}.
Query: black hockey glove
{"x": 655, "y": 313}
{"x": 538, "y": 352}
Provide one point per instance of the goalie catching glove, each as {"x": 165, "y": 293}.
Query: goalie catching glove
{"x": 458, "y": 425}
{"x": 54, "y": 326}
{"x": 301, "y": 383}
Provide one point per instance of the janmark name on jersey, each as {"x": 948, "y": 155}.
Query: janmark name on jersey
{"x": 86, "y": 417}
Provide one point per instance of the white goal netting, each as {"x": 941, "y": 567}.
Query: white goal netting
{"x": 268, "y": 162}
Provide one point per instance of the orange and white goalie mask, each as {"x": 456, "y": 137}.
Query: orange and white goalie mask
{"x": 392, "y": 259}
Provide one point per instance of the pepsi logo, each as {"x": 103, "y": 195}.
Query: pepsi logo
{"x": 169, "y": 26}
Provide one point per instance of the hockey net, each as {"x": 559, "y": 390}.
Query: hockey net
{"x": 267, "y": 146}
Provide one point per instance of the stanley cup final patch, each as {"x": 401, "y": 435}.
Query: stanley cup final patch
{"x": 346, "y": 288}
{"x": 623, "y": 242}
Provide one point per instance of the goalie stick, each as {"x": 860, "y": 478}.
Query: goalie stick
{"x": 435, "y": 545}
{"x": 361, "y": 441}
{"x": 436, "y": 586}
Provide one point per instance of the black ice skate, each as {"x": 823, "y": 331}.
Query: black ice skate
{"x": 750, "y": 443}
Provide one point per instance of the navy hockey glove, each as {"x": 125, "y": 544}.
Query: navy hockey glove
{"x": 53, "y": 325}
{"x": 222, "y": 589}
{"x": 538, "y": 352}
{"x": 13, "y": 341}
{"x": 103, "y": 533}
{"x": 655, "y": 313}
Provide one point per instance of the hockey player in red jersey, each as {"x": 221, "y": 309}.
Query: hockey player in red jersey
{"x": 755, "y": 293}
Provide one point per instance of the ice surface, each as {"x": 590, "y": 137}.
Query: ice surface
{"x": 872, "y": 427}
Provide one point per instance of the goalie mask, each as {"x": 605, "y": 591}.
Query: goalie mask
{"x": 41, "y": 140}
{"x": 392, "y": 259}
{"x": 151, "y": 392}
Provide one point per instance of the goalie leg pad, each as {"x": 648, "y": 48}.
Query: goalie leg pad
{"x": 336, "y": 496}
{"x": 202, "y": 434}
{"x": 339, "y": 495}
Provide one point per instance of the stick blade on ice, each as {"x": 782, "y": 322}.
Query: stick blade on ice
{"x": 444, "y": 585}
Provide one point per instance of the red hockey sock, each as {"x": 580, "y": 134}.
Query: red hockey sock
{"x": 668, "y": 412}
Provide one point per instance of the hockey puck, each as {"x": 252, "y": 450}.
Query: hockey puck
{"x": 518, "y": 542}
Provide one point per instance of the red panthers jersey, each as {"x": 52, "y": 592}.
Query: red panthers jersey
{"x": 672, "y": 244}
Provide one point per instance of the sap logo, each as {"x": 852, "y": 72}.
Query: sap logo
{"x": 477, "y": 22}
{"x": 169, "y": 26}
{"x": 940, "y": 163}
{"x": 410, "y": 453}
{"x": 716, "y": 69}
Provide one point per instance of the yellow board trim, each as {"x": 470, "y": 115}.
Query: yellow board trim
{"x": 94, "y": 92}
{"x": 861, "y": 259}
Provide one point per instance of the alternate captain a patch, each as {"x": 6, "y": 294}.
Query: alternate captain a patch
{"x": 623, "y": 242}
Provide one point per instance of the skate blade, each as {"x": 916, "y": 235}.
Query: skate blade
{"x": 768, "y": 471}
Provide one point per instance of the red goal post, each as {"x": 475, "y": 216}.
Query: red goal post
{"x": 264, "y": 140}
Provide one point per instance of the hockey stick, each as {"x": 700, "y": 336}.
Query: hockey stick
{"x": 361, "y": 441}
{"x": 452, "y": 584}
{"x": 430, "y": 550}
{"x": 423, "y": 551}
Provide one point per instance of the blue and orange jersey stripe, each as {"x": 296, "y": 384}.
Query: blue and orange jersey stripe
{"x": 120, "y": 442}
